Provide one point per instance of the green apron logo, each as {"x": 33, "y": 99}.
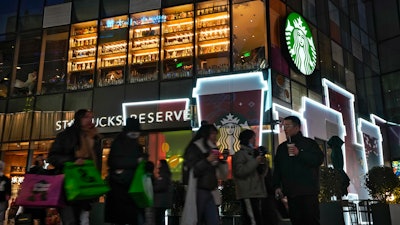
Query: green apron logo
{"x": 300, "y": 43}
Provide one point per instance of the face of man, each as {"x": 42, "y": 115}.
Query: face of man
{"x": 290, "y": 128}
{"x": 86, "y": 121}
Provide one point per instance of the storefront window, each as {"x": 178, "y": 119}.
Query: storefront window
{"x": 177, "y": 47}
{"x": 144, "y": 46}
{"x": 30, "y": 14}
{"x": 84, "y": 10}
{"x": 54, "y": 72}
{"x": 114, "y": 7}
{"x": 28, "y": 64}
{"x": 277, "y": 12}
{"x": 111, "y": 61}
{"x": 8, "y": 16}
{"x": 7, "y": 48}
{"x": 81, "y": 55}
{"x": 212, "y": 37}
{"x": 249, "y": 35}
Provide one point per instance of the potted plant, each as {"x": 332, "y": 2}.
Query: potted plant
{"x": 331, "y": 192}
{"x": 383, "y": 185}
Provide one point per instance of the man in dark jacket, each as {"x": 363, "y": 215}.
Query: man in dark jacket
{"x": 76, "y": 144}
{"x": 296, "y": 175}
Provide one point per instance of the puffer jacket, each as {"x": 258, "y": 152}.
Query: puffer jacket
{"x": 249, "y": 182}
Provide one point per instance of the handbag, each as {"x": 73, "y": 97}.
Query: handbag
{"x": 41, "y": 191}
{"x": 141, "y": 188}
{"x": 83, "y": 181}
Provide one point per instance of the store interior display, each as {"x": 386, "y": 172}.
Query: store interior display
{"x": 112, "y": 51}
{"x": 178, "y": 36}
{"x": 81, "y": 54}
{"x": 144, "y": 46}
{"x": 213, "y": 32}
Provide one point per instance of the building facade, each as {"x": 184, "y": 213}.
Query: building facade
{"x": 175, "y": 63}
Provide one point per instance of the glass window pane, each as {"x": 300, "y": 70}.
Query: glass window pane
{"x": 30, "y": 14}
{"x": 56, "y": 2}
{"x": 28, "y": 64}
{"x": 325, "y": 55}
{"x": 144, "y": 46}
{"x": 277, "y": 12}
{"x": 8, "y": 16}
{"x": 177, "y": 47}
{"x": 309, "y": 11}
{"x": 84, "y": 10}
{"x": 249, "y": 35}
{"x": 114, "y": 7}
{"x": 141, "y": 6}
{"x": 212, "y": 37}
{"x": 7, "y": 48}
{"x": 55, "y": 70}
{"x": 81, "y": 55}
{"x": 111, "y": 61}
{"x": 281, "y": 87}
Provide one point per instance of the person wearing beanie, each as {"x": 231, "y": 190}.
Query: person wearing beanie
{"x": 5, "y": 192}
{"x": 76, "y": 144}
{"x": 125, "y": 155}
{"x": 249, "y": 170}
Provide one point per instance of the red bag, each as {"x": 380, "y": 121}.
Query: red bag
{"x": 41, "y": 191}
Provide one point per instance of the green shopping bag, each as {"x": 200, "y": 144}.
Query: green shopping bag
{"x": 83, "y": 181}
{"x": 141, "y": 188}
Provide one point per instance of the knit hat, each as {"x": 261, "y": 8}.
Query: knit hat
{"x": 132, "y": 125}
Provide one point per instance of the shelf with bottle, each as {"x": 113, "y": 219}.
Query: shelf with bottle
{"x": 145, "y": 57}
{"x": 119, "y": 60}
{"x": 84, "y": 41}
{"x": 111, "y": 77}
{"x": 146, "y": 31}
{"x": 145, "y": 43}
{"x": 89, "y": 30}
{"x": 173, "y": 26}
{"x": 148, "y": 75}
{"x": 179, "y": 16}
{"x": 112, "y": 48}
{"x": 213, "y": 46}
{"x": 212, "y": 10}
{"x": 78, "y": 81}
{"x": 80, "y": 52}
{"x": 183, "y": 51}
{"x": 82, "y": 66}
{"x": 212, "y": 20}
{"x": 220, "y": 32}
{"x": 178, "y": 39}
{"x": 214, "y": 69}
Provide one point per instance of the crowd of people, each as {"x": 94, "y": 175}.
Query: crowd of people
{"x": 258, "y": 188}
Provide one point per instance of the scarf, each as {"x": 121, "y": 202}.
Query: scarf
{"x": 86, "y": 147}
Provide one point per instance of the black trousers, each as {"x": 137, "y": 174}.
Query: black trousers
{"x": 304, "y": 210}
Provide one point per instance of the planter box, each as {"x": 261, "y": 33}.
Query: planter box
{"x": 331, "y": 213}
{"x": 385, "y": 214}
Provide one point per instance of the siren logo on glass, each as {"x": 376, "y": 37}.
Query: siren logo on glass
{"x": 300, "y": 44}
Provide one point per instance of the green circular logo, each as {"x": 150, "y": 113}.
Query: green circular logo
{"x": 300, "y": 43}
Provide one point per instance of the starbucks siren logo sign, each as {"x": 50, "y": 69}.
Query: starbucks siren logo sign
{"x": 300, "y": 43}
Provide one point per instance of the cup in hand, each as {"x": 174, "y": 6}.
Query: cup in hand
{"x": 290, "y": 147}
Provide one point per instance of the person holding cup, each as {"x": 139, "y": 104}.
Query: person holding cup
{"x": 296, "y": 173}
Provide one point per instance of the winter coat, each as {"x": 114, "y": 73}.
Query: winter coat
{"x": 64, "y": 147}
{"x": 122, "y": 162}
{"x": 205, "y": 172}
{"x": 162, "y": 187}
{"x": 249, "y": 179}
{"x": 298, "y": 175}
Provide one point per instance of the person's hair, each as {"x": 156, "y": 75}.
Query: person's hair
{"x": 245, "y": 137}
{"x": 36, "y": 163}
{"x": 203, "y": 132}
{"x": 295, "y": 120}
{"x": 164, "y": 168}
{"x": 78, "y": 116}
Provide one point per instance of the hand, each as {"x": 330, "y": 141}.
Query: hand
{"x": 278, "y": 193}
{"x": 212, "y": 157}
{"x": 293, "y": 150}
{"x": 79, "y": 161}
{"x": 260, "y": 159}
{"x": 225, "y": 154}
